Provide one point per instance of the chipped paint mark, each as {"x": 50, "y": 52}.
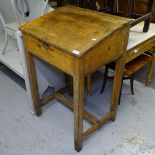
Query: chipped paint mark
{"x": 76, "y": 52}
{"x": 94, "y": 39}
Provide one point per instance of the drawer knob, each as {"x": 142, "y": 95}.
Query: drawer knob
{"x": 135, "y": 50}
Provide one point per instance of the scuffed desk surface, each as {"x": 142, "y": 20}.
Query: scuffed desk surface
{"x": 74, "y": 30}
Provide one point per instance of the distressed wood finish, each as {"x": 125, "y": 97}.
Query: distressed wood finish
{"x": 78, "y": 83}
{"x": 89, "y": 80}
{"x": 49, "y": 54}
{"x": 94, "y": 59}
{"x": 78, "y": 42}
{"x": 132, "y": 54}
{"x": 33, "y": 83}
{"x": 61, "y": 25}
{"x": 120, "y": 63}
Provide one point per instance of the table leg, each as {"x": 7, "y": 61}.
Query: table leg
{"x": 89, "y": 84}
{"x": 69, "y": 82}
{"x": 150, "y": 71}
{"x": 71, "y": 85}
{"x": 117, "y": 85}
{"x": 78, "y": 87}
{"x": 33, "y": 83}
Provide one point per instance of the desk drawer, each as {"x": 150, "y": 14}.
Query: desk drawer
{"x": 140, "y": 49}
{"x": 51, "y": 55}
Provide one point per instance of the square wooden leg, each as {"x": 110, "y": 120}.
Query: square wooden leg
{"x": 120, "y": 63}
{"x": 69, "y": 81}
{"x": 33, "y": 83}
{"x": 89, "y": 84}
{"x": 78, "y": 87}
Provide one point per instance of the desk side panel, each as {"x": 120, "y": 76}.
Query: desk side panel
{"x": 106, "y": 51}
{"x": 49, "y": 54}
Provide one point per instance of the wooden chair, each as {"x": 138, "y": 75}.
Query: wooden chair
{"x": 59, "y": 3}
{"x": 140, "y": 7}
{"x": 113, "y": 7}
{"x": 132, "y": 14}
{"x": 105, "y": 5}
{"x": 89, "y": 4}
{"x": 130, "y": 69}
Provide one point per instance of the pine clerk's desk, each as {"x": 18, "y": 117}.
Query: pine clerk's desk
{"x": 78, "y": 42}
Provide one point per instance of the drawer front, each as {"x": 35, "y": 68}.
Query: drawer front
{"x": 140, "y": 49}
{"x": 51, "y": 55}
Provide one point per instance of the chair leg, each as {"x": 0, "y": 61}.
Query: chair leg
{"x": 104, "y": 79}
{"x": 130, "y": 7}
{"x": 131, "y": 84}
{"x": 115, "y": 6}
{"x": 148, "y": 21}
{"x": 146, "y": 25}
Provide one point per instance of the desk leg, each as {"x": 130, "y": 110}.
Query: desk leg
{"x": 150, "y": 71}
{"x": 89, "y": 84}
{"x": 33, "y": 83}
{"x": 117, "y": 85}
{"x": 78, "y": 87}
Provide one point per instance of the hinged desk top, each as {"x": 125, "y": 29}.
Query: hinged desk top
{"x": 73, "y": 29}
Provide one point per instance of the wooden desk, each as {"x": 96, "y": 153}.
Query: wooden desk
{"x": 78, "y": 42}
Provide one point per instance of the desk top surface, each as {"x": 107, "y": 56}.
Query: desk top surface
{"x": 74, "y": 30}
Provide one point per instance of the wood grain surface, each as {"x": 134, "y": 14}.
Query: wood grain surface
{"x": 73, "y": 29}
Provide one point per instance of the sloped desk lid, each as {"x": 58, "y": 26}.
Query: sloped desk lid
{"x": 74, "y": 30}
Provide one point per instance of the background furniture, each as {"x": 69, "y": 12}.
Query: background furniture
{"x": 131, "y": 13}
{"x": 130, "y": 69}
{"x": 81, "y": 3}
{"x": 139, "y": 43}
{"x": 140, "y": 7}
{"x": 14, "y": 56}
{"x": 73, "y": 53}
{"x": 139, "y": 62}
{"x": 10, "y": 54}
